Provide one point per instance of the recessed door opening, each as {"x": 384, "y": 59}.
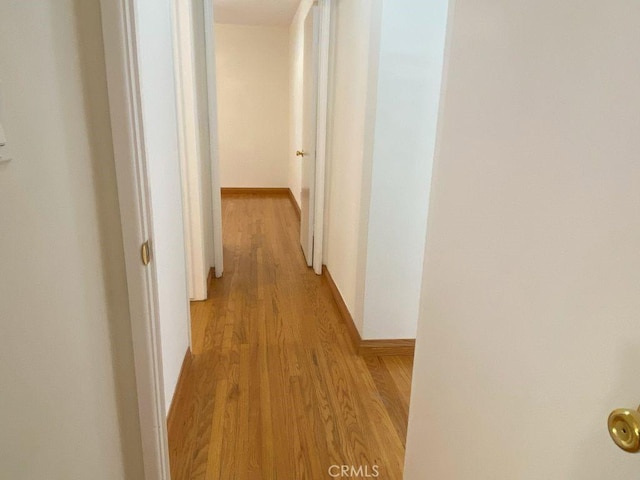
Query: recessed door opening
{"x": 272, "y": 367}
{"x": 282, "y": 291}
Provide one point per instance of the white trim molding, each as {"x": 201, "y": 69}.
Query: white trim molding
{"x": 190, "y": 154}
{"x": 119, "y": 32}
{"x": 324, "y": 45}
{"x": 216, "y": 196}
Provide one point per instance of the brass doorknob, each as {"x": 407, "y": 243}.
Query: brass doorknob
{"x": 299, "y": 153}
{"x": 624, "y": 428}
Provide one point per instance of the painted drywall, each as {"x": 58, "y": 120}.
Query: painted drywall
{"x": 351, "y": 114}
{"x": 411, "y": 51}
{"x": 68, "y": 407}
{"x": 529, "y": 321}
{"x": 252, "y": 65}
{"x": 385, "y": 73}
{"x": 160, "y": 123}
{"x": 296, "y": 52}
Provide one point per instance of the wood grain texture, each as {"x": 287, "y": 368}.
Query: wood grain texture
{"x": 387, "y": 347}
{"x": 274, "y": 389}
{"x": 180, "y": 388}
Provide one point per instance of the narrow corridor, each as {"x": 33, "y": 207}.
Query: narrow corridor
{"x": 274, "y": 389}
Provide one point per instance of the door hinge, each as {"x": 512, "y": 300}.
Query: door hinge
{"x": 145, "y": 253}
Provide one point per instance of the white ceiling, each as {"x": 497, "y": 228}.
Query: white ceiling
{"x": 255, "y": 12}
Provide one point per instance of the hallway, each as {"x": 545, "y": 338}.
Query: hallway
{"x": 274, "y": 389}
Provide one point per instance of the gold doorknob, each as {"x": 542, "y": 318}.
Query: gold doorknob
{"x": 299, "y": 153}
{"x": 624, "y": 428}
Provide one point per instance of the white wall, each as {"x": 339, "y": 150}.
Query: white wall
{"x": 408, "y": 91}
{"x": 385, "y": 72}
{"x": 157, "y": 81}
{"x": 385, "y": 86}
{"x": 68, "y": 406}
{"x": 528, "y": 335}
{"x": 351, "y": 114}
{"x": 252, "y": 65}
{"x": 296, "y": 52}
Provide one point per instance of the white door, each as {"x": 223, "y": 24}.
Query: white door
{"x": 530, "y": 327}
{"x": 308, "y": 152}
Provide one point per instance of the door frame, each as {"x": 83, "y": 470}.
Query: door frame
{"x": 190, "y": 148}
{"x": 119, "y": 35}
{"x": 210, "y": 54}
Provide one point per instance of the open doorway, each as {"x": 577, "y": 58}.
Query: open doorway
{"x": 252, "y": 90}
{"x": 271, "y": 82}
{"x": 273, "y": 388}
{"x": 290, "y": 361}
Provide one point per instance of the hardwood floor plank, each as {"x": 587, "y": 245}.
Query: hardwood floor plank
{"x": 389, "y": 393}
{"x": 216, "y": 439}
{"x": 203, "y": 401}
{"x": 274, "y": 389}
{"x": 242, "y": 467}
{"x": 401, "y": 369}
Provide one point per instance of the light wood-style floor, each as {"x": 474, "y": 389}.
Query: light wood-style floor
{"x": 274, "y": 389}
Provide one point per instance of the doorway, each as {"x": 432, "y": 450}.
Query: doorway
{"x": 310, "y": 331}
{"x": 271, "y": 81}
